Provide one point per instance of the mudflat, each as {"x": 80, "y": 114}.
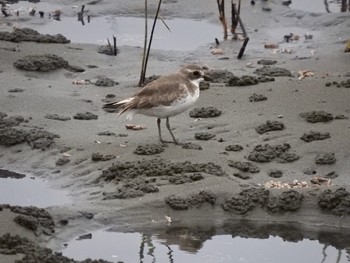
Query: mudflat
{"x": 267, "y": 142}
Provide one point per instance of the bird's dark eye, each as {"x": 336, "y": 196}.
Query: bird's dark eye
{"x": 196, "y": 73}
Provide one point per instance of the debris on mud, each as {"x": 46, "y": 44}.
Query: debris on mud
{"x": 205, "y": 112}
{"x": 314, "y": 136}
{"x": 270, "y": 126}
{"x": 316, "y": 116}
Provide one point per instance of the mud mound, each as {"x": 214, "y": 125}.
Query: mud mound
{"x": 290, "y": 200}
{"x": 205, "y": 112}
{"x": 266, "y": 62}
{"x": 234, "y": 148}
{"x": 135, "y": 179}
{"x": 244, "y": 166}
{"x": 41, "y": 63}
{"x": 148, "y": 149}
{"x": 218, "y": 76}
{"x": 30, "y": 35}
{"x": 266, "y": 153}
{"x": 133, "y": 188}
{"x": 246, "y": 201}
{"x": 337, "y": 202}
{"x": 37, "y": 139}
{"x": 195, "y": 200}
{"x": 270, "y": 126}
{"x": 316, "y": 116}
{"x": 204, "y": 136}
{"x": 85, "y": 116}
{"x": 183, "y": 179}
{"x": 14, "y": 244}
{"x": 315, "y": 136}
{"x": 153, "y": 168}
{"x": 105, "y": 82}
{"x": 57, "y": 117}
{"x": 97, "y": 157}
{"x": 342, "y": 84}
{"x": 273, "y": 72}
{"x": 36, "y": 219}
{"x": 325, "y": 158}
{"x": 247, "y": 80}
{"x": 257, "y": 97}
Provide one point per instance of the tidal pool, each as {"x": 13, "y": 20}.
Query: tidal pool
{"x": 136, "y": 247}
{"x": 29, "y": 191}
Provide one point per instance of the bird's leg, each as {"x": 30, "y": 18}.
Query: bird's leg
{"x": 159, "y": 132}
{"x": 171, "y": 133}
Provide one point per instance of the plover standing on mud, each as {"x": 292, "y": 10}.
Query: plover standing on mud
{"x": 165, "y": 97}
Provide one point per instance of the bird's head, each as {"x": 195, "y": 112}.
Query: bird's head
{"x": 193, "y": 72}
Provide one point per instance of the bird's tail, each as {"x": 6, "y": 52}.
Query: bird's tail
{"x": 119, "y": 107}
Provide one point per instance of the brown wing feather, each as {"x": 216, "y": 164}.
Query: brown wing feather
{"x": 162, "y": 91}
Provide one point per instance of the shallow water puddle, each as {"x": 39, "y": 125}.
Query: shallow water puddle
{"x": 130, "y": 31}
{"x": 26, "y": 191}
{"x": 319, "y": 6}
{"x": 135, "y": 247}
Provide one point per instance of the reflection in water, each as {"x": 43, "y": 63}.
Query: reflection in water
{"x": 236, "y": 241}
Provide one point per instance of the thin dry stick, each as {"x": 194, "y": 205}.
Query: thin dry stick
{"x": 142, "y": 77}
{"x": 151, "y": 38}
{"x": 221, "y": 7}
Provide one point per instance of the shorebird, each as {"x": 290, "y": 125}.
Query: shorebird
{"x": 163, "y": 98}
